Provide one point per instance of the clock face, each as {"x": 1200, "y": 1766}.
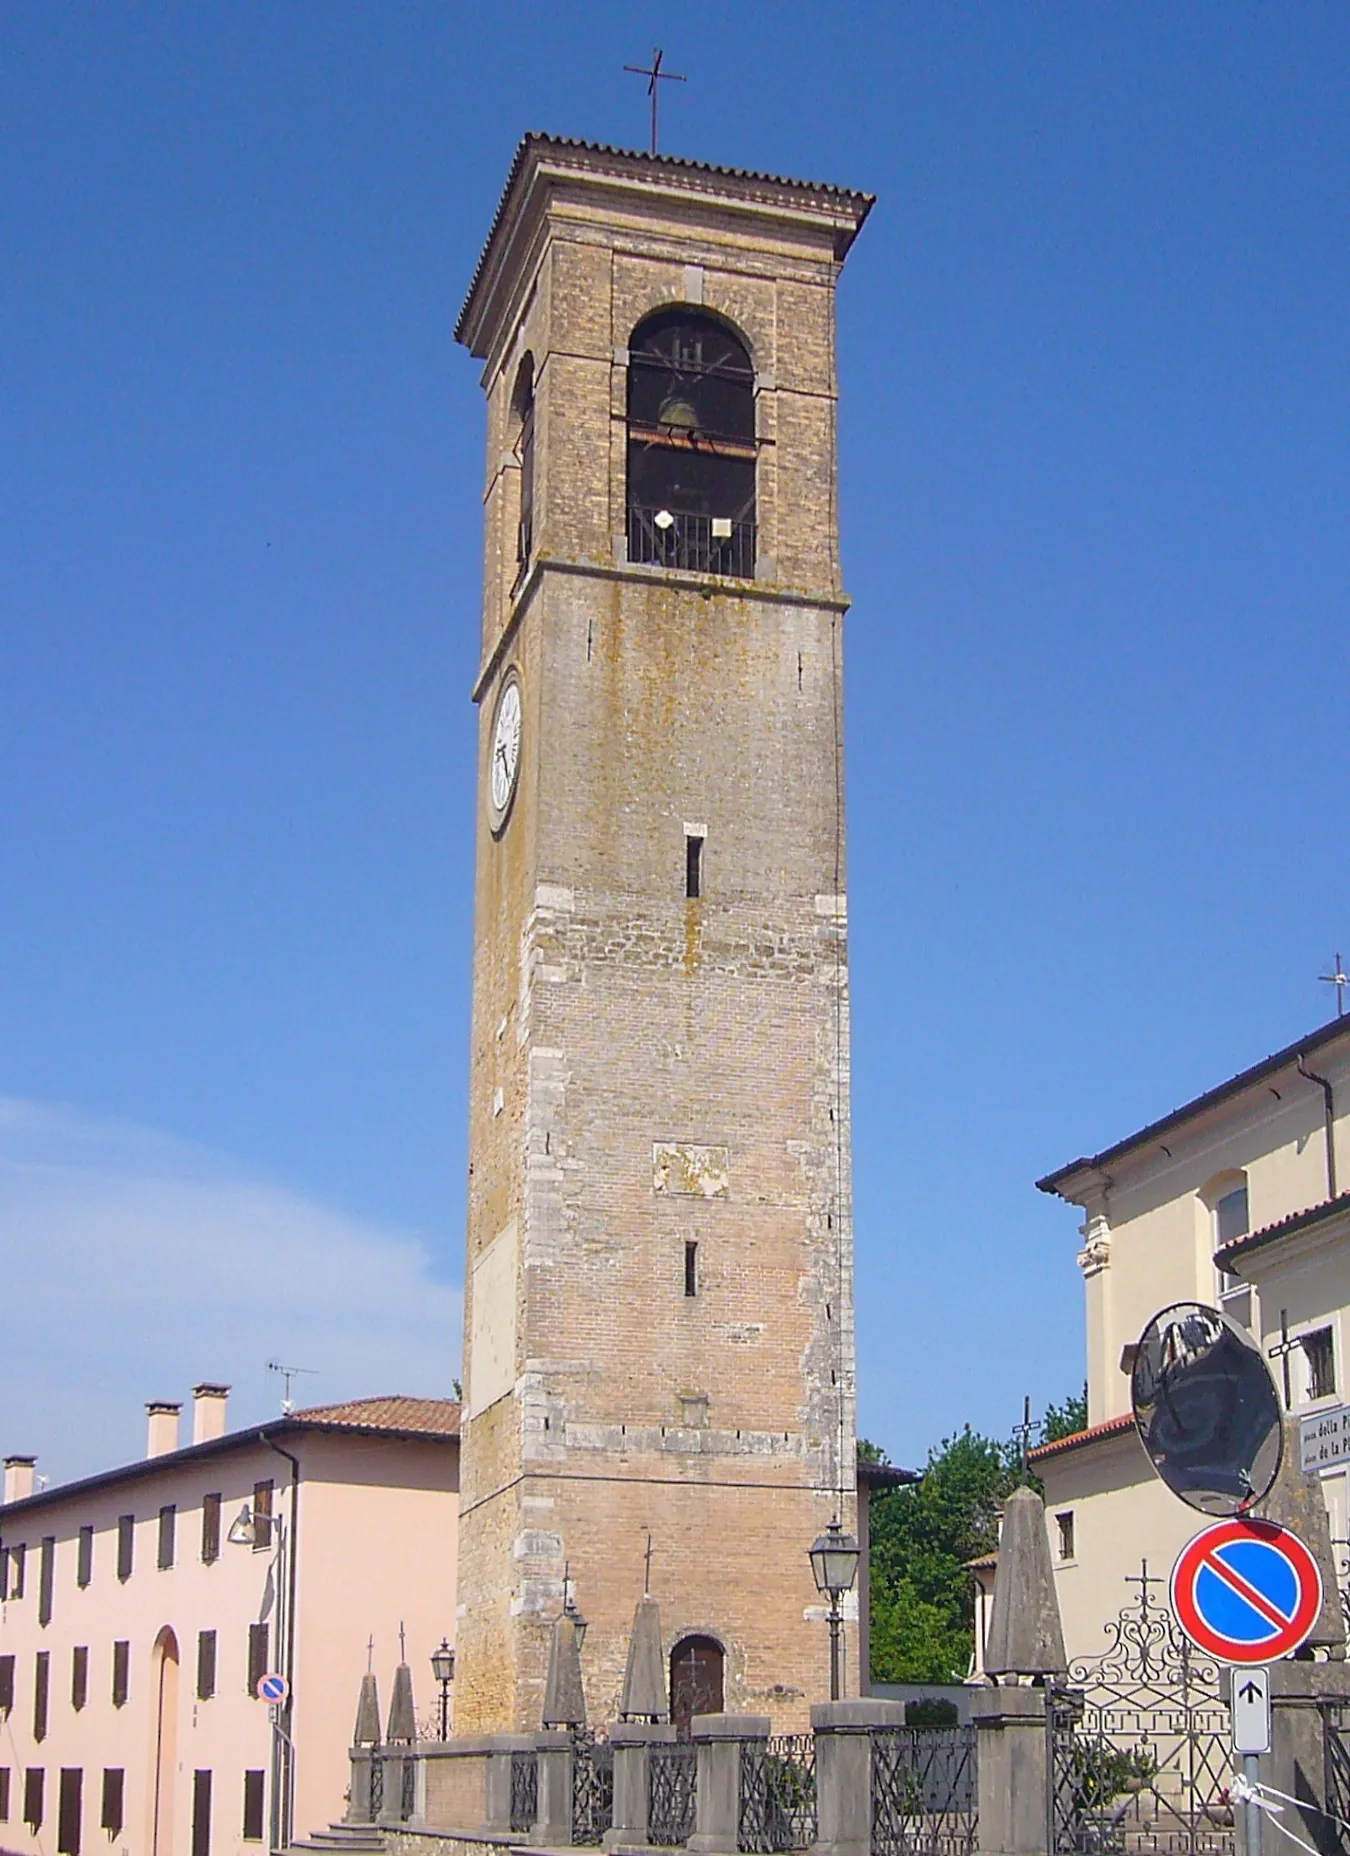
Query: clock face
{"x": 505, "y": 766}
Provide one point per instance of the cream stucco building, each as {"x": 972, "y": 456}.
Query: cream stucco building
{"x": 1232, "y": 1199}
{"x": 133, "y": 1629}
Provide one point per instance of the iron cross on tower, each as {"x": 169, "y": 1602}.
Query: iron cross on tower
{"x": 655, "y": 78}
{"x": 1024, "y": 1432}
{"x": 1284, "y": 1346}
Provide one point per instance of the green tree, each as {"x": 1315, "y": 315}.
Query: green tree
{"x": 1063, "y": 1420}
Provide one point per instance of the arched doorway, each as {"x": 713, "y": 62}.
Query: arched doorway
{"x": 696, "y": 1665}
{"x": 164, "y": 1745}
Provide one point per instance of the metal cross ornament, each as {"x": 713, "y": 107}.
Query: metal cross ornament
{"x": 647, "y": 1568}
{"x": 655, "y": 78}
{"x": 1281, "y": 1352}
{"x": 1024, "y": 1432}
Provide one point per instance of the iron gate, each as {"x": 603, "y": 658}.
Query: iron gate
{"x": 1140, "y": 1744}
{"x": 592, "y": 1787}
{"x": 925, "y": 1791}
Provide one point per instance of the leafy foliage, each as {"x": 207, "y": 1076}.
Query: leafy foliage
{"x": 1063, "y": 1420}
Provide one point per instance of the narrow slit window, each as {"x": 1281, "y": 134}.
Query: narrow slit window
{"x": 79, "y": 1676}
{"x": 253, "y": 1806}
{"x": 121, "y": 1672}
{"x": 691, "y": 1269}
{"x": 1064, "y": 1523}
{"x": 84, "y": 1565}
{"x": 168, "y": 1528}
{"x": 110, "y": 1817}
{"x": 693, "y": 866}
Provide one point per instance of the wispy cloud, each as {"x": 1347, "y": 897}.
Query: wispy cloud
{"x": 135, "y": 1265}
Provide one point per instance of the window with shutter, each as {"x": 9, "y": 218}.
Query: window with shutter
{"x": 114, "y": 1786}
{"x": 126, "y": 1544}
{"x": 168, "y": 1527}
{"x": 4, "y": 1794}
{"x": 42, "y": 1681}
{"x": 210, "y": 1529}
{"x": 121, "y": 1673}
{"x": 32, "y": 1797}
{"x": 262, "y": 1516}
{"x": 17, "y": 1558}
{"x": 46, "y": 1578}
{"x": 253, "y": 1807}
{"x": 257, "y": 1656}
{"x": 84, "y": 1566}
{"x": 206, "y": 1664}
{"x": 201, "y": 1814}
{"x": 68, "y": 1812}
{"x": 79, "y": 1676}
{"x": 6, "y": 1684}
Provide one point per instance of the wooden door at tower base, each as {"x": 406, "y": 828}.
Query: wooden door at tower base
{"x": 695, "y": 1680}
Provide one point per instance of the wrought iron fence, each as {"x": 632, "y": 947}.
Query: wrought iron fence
{"x": 592, "y": 1787}
{"x": 778, "y": 1794}
{"x": 1336, "y": 1750}
{"x": 925, "y": 1797}
{"x": 524, "y": 1790}
{"x": 407, "y": 1799}
{"x": 702, "y": 544}
{"x": 1140, "y": 1738}
{"x": 671, "y": 1792}
{"x": 376, "y": 1789}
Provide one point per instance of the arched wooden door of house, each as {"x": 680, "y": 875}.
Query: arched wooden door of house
{"x": 696, "y": 1665}
{"x": 164, "y": 1690}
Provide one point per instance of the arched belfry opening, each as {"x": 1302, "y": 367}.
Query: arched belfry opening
{"x": 691, "y": 444}
{"x": 522, "y": 443}
{"x": 696, "y": 1680}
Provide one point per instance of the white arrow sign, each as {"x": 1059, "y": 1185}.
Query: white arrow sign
{"x": 1251, "y": 1710}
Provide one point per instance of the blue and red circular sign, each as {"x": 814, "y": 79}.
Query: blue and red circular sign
{"x": 1246, "y": 1591}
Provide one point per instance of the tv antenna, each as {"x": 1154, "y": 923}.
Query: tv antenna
{"x": 287, "y": 1374}
{"x": 1340, "y": 979}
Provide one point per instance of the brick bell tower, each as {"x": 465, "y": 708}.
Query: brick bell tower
{"x": 659, "y": 1277}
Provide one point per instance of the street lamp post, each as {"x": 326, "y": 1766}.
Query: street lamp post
{"x": 834, "y": 1561}
{"x": 443, "y": 1669}
{"x": 254, "y": 1530}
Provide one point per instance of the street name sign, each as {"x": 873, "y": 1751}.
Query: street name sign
{"x": 1324, "y": 1439}
{"x": 1246, "y": 1592}
{"x": 1251, "y": 1711}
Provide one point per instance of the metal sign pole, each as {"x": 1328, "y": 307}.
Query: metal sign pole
{"x": 1251, "y": 1811}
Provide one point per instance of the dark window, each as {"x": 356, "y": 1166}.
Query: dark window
{"x": 262, "y": 1516}
{"x": 68, "y": 1811}
{"x": 1230, "y": 1215}
{"x": 1064, "y": 1522}
{"x": 42, "y": 1683}
{"x": 32, "y": 1797}
{"x": 1321, "y": 1358}
{"x": 257, "y": 1656}
{"x": 201, "y": 1814}
{"x": 253, "y": 1806}
{"x": 210, "y": 1529}
{"x": 168, "y": 1526}
{"x": 4, "y": 1572}
{"x": 79, "y": 1676}
{"x": 691, "y": 445}
{"x": 4, "y": 1794}
{"x": 114, "y": 1784}
{"x": 6, "y": 1684}
{"x": 691, "y": 1269}
{"x": 84, "y": 1564}
{"x": 121, "y": 1684}
{"x": 126, "y": 1544}
{"x": 17, "y": 1558}
{"x": 693, "y": 866}
{"x": 695, "y": 1681}
{"x": 206, "y": 1664}
{"x": 46, "y": 1578}
{"x": 522, "y": 408}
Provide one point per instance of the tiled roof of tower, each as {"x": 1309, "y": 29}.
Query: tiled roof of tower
{"x": 1110, "y": 1427}
{"x": 431, "y": 1417}
{"x": 673, "y": 165}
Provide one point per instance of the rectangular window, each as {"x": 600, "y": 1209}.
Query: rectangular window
{"x": 17, "y": 1558}
{"x": 168, "y": 1527}
{"x": 1064, "y": 1522}
{"x": 46, "y": 1578}
{"x": 206, "y": 1664}
{"x": 84, "y": 1564}
{"x": 114, "y": 1786}
{"x": 1230, "y": 1216}
{"x": 126, "y": 1544}
{"x": 691, "y": 1269}
{"x": 201, "y": 1814}
{"x": 4, "y": 1572}
{"x": 42, "y": 1684}
{"x": 262, "y": 1516}
{"x": 257, "y": 1656}
{"x": 1321, "y": 1362}
{"x": 121, "y": 1686}
{"x": 6, "y": 1684}
{"x": 693, "y": 866}
{"x": 253, "y": 1807}
{"x": 79, "y": 1676}
{"x": 32, "y": 1797}
{"x": 68, "y": 1812}
{"x": 4, "y": 1794}
{"x": 210, "y": 1529}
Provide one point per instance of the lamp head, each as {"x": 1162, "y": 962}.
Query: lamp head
{"x": 243, "y": 1529}
{"x": 443, "y": 1663}
{"x": 834, "y": 1561}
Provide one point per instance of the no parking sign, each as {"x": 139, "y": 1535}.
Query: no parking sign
{"x": 1246, "y": 1592}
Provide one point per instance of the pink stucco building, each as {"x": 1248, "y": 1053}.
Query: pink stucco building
{"x": 133, "y": 1628}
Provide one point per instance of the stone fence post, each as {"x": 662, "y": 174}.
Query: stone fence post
{"x": 630, "y": 1740}
{"x": 553, "y": 1826}
{"x": 1297, "y": 1763}
{"x": 1014, "y": 1769}
{"x": 718, "y": 1739}
{"x": 358, "y": 1798}
{"x": 843, "y": 1731}
{"x": 497, "y": 1801}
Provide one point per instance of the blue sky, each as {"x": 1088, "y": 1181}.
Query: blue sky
{"x": 1094, "y": 428}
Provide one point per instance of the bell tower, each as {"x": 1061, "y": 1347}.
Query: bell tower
{"x": 659, "y": 1271}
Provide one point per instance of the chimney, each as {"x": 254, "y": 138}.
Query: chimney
{"x": 163, "y": 1431}
{"x": 208, "y": 1412}
{"x": 19, "y": 1477}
